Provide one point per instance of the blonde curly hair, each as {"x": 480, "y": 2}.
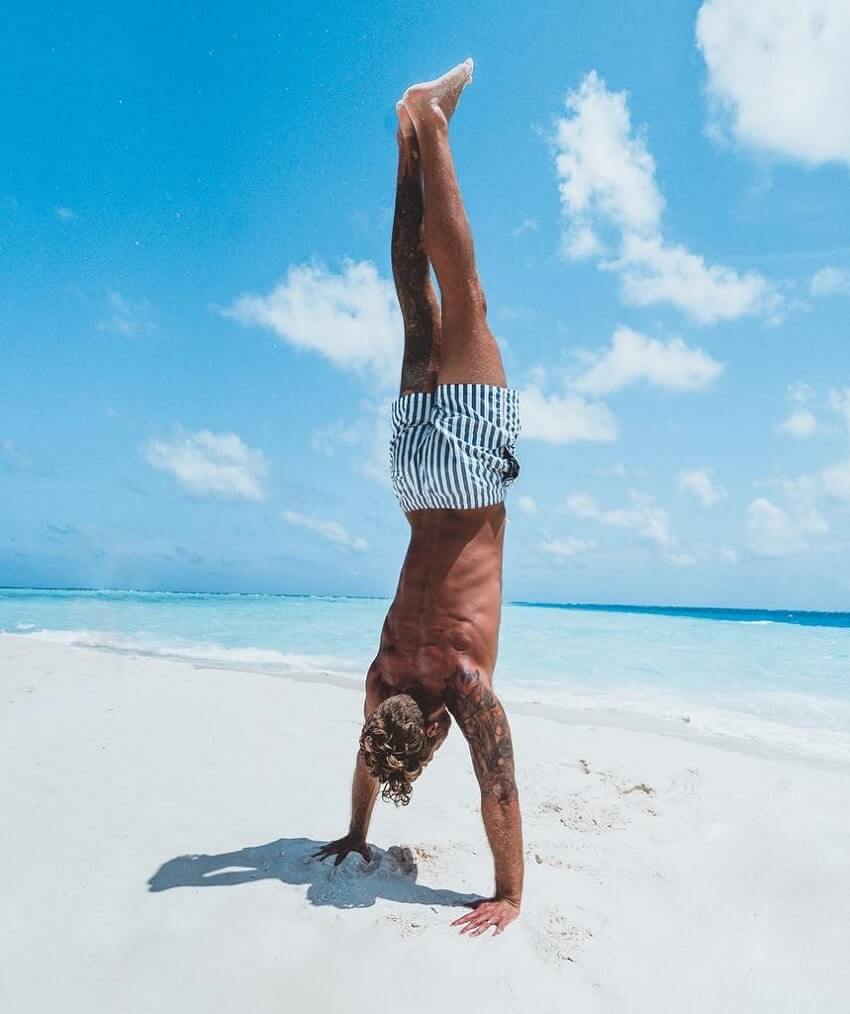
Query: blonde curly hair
{"x": 395, "y": 746}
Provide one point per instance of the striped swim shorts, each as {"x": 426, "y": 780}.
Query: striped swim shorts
{"x": 453, "y": 448}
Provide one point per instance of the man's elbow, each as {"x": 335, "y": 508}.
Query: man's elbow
{"x": 500, "y": 788}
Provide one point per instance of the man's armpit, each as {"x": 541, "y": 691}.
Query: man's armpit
{"x": 484, "y": 723}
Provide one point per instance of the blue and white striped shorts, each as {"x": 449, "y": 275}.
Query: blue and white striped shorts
{"x": 453, "y": 448}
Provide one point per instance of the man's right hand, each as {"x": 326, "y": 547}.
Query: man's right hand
{"x": 342, "y": 846}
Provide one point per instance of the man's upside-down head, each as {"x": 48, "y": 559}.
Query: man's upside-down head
{"x": 397, "y": 742}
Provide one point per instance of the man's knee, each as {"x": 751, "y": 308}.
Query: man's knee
{"x": 465, "y": 300}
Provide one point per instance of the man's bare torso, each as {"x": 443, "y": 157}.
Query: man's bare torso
{"x": 447, "y": 606}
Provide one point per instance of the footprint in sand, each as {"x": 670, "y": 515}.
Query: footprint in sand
{"x": 685, "y": 784}
{"x": 578, "y": 814}
{"x": 404, "y": 926}
{"x": 562, "y": 939}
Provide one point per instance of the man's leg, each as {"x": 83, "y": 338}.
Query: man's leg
{"x": 412, "y": 270}
{"x": 469, "y": 353}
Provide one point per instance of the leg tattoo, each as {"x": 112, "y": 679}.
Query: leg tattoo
{"x": 412, "y": 269}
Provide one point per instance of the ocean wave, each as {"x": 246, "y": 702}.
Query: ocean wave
{"x": 252, "y": 659}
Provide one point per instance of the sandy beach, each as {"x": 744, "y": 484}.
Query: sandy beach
{"x": 159, "y": 818}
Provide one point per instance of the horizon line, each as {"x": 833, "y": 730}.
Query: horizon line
{"x": 601, "y": 606}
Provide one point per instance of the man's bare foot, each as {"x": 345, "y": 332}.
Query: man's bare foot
{"x": 437, "y": 99}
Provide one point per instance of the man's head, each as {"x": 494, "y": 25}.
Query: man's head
{"x": 397, "y": 742}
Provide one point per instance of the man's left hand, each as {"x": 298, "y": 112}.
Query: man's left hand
{"x": 498, "y": 913}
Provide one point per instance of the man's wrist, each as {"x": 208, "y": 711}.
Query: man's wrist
{"x": 511, "y": 899}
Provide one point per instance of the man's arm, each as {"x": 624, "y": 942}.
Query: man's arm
{"x": 364, "y": 792}
{"x": 484, "y": 723}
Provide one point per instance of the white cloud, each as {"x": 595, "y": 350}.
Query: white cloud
{"x": 609, "y": 196}
{"x": 333, "y": 531}
{"x": 831, "y": 281}
{"x": 701, "y": 485}
{"x": 351, "y": 318}
{"x": 526, "y": 225}
{"x": 603, "y": 171}
{"x": 642, "y": 516}
{"x": 780, "y": 72}
{"x": 801, "y": 423}
{"x": 633, "y": 357}
{"x": 527, "y": 505}
{"x": 565, "y": 419}
{"x": 653, "y": 271}
{"x": 211, "y": 464}
{"x": 66, "y": 214}
{"x": 567, "y": 547}
{"x": 775, "y": 532}
{"x": 127, "y": 317}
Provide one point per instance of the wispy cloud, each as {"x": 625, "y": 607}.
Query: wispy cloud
{"x": 564, "y": 548}
{"x": 127, "y": 317}
{"x": 701, "y": 485}
{"x": 830, "y": 282}
{"x": 328, "y": 439}
{"x": 633, "y": 357}
{"x": 613, "y": 208}
{"x": 641, "y": 516}
{"x": 801, "y": 421}
{"x": 351, "y": 317}
{"x": 211, "y": 464}
{"x": 836, "y": 481}
{"x": 527, "y": 504}
{"x": 66, "y": 214}
{"x": 773, "y": 531}
{"x": 525, "y": 226}
{"x": 370, "y": 435}
{"x": 839, "y": 402}
{"x": 332, "y": 531}
{"x": 13, "y": 459}
{"x": 778, "y": 74}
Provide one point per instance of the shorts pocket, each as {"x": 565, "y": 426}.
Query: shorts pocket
{"x": 511, "y": 468}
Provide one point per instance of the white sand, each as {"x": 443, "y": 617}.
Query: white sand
{"x": 724, "y": 888}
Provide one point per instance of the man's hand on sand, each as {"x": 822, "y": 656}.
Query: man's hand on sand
{"x": 497, "y": 913}
{"x": 341, "y": 847}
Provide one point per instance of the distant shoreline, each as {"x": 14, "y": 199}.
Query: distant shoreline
{"x": 798, "y": 617}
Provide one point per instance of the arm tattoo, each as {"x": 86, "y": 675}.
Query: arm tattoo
{"x": 485, "y": 725}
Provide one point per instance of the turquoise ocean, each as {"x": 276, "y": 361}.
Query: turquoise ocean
{"x": 781, "y": 678}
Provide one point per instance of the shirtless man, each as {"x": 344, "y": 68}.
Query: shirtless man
{"x": 455, "y": 425}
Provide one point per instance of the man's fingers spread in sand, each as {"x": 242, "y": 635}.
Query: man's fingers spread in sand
{"x": 341, "y": 848}
{"x": 496, "y": 914}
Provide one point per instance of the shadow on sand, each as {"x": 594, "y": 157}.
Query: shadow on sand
{"x": 391, "y": 874}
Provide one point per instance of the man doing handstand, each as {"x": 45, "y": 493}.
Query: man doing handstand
{"x": 455, "y": 426}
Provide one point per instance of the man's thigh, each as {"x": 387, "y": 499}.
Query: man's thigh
{"x": 470, "y": 354}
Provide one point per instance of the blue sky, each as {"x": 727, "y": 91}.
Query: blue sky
{"x": 199, "y": 339}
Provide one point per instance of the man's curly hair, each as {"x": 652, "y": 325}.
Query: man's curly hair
{"x": 395, "y": 747}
